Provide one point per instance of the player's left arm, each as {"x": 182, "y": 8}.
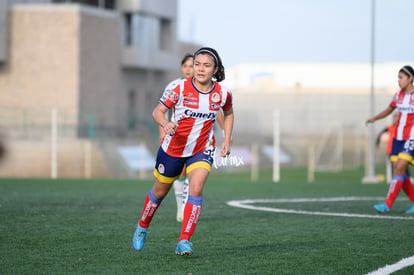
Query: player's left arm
{"x": 228, "y": 129}
{"x": 220, "y": 121}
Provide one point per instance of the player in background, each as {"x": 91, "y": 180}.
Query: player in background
{"x": 402, "y": 151}
{"x": 181, "y": 184}
{"x": 189, "y": 140}
{"x": 389, "y": 131}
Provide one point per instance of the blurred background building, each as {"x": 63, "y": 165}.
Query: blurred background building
{"x": 102, "y": 65}
{"x": 79, "y": 81}
{"x": 321, "y": 107}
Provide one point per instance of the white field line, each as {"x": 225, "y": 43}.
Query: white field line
{"x": 388, "y": 269}
{"x": 246, "y": 204}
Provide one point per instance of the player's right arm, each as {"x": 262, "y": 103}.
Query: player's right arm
{"x": 380, "y": 115}
{"x": 168, "y": 100}
{"x": 168, "y": 88}
{"x": 159, "y": 117}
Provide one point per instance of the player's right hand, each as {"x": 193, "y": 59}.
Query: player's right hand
{"x": 368, "y": 121}
{"x": 170, "y": 127}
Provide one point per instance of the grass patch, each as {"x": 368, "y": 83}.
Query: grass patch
{"x": 86, "y": 226}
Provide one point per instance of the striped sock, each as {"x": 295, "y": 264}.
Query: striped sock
{"x": 395, "y": 187}
{"x": 408, "y": 189}
{"x": 150, "y": 206}
{"x": 191, "y": 213}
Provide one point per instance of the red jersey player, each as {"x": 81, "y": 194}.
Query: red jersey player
{"x": 195, "y": 103}
{"x": 181, "y": 184}
{"x": 403, "y": 143}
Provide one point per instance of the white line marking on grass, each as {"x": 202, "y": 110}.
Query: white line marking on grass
{"x": 246, "y": 204}
{"x": 388, "y": 269}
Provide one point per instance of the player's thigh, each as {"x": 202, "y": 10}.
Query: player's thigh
{"x": 197, "y": 178}
{"x": 198, "y": 169}
{"x": 405, "y": 157}
{"x": 396, "y": 149}
{"x": 167, "y": 168}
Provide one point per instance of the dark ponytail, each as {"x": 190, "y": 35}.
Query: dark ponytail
{"x": 408, "y": 71}
{"x": 219, "y": 75}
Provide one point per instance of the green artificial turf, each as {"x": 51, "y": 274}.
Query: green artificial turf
{"x": 85, "y": 227}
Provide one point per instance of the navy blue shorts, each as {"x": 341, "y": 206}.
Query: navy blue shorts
{"x": 403, "y": 149}
{"x": 168, "y": 169}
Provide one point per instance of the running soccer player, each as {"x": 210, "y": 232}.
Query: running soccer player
{"x": 402, "y": 152}
{"x": 181, "y": 184}
{"x": 195, "y": 103}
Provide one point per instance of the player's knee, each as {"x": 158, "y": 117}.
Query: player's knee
{"x": 160, "y": 190}
{"x": 400, "y": 169}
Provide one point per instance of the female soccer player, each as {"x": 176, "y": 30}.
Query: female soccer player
{"x": 189, "y": 140}
{"x": 403, "y": 143}
{"x": 181, "y": 184}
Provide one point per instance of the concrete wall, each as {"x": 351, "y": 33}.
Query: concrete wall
{"x": 73, "y": 57}
{"x": 100, "y": 67}
{"x": 4, "y": 28}
{"x": 307, "y": 113}
{"x": 158, "y": 47}
{"x": 75, "y": 159}
{"x": 155, "y": 7}
{"x": 147, "y": 86}
{"x": 308, "y": 119}
{"x": 42, "y": 68}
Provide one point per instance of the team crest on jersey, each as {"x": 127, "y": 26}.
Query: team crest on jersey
{"x": 215, "y": 97}
{"x": 215, "y": 100}
{"x": 161, "y": 168}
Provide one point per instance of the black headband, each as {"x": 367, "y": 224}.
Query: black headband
{"x": 407, "y": 71}
{"x": 209, "y": 52}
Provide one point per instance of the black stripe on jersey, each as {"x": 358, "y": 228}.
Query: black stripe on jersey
{"x": 212, "y": 88}
{"x": 164, "y": 105}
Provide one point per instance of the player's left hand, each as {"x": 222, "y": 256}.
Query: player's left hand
{"x": 225, "y": 149}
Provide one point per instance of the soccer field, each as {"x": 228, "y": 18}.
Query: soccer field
{"x": 86, "y": 226}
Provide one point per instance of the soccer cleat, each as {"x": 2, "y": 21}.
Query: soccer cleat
{"x": 382, "y": 208}
{"x": 184, "y": 248}
{"x": 138, "y": 240}
{"x": 410, "y": 210}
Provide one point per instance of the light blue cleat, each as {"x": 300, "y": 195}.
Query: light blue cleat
{"x": 138, "y": 240}
{"x": 184, "y": 248}
{"x": 382, "y": 208}
{"x": 410, "y": 210}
